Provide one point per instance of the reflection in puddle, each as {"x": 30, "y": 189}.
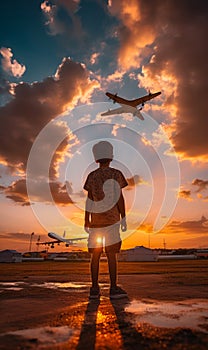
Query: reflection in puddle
{"x": 46, "y": 335}
{"x": 15, "y": 286}
{"x": 186, "y": 314}
{"x": 64, "y": 286}
{"x": 67, "y": 286}
{"x": 74, "y": 285}
{"x": 16, "y": 289}
{"x": 10, "y": 284}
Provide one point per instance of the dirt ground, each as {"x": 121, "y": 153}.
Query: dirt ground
{"x": 46, "y": 306}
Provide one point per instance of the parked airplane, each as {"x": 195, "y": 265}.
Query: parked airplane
{"x": 129, "y": 106}
{"x": 60, "y": 239}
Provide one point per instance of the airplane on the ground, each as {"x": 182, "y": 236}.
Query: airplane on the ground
{"x": 60, "y": 239}
{"x": 129, "y": 106}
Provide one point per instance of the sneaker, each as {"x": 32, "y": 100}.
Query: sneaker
{"x": 94, "y": 293}
{"x": 117, "y": 293}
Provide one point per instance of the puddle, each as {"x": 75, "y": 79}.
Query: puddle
{"x": 15, "y": 286}
{"x": 186, "y": 314}
{"x": 16, "y": 289}
{"x": 10, "y": 284}
{"x": 67, "y": 286}
{"x": 45, "y": 335}
{"x": 64, "y": 286}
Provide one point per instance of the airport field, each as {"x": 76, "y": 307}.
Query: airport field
{"x": 45, "y": 305}
{"x": 182, "y": 268}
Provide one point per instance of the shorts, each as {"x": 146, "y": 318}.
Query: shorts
{"x": 104, "y": 237}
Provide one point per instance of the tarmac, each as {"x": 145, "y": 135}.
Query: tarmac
{"x": 54, "y": 312}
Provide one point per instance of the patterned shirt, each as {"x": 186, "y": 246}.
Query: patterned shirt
{"x": 105, "y": 195}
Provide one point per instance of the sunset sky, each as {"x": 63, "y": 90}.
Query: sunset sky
{"x": 57, "y": 60}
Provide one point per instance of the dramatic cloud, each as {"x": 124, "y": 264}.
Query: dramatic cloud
{"x": 94, "y": 58}
{"x": 32, "y": 108}
{"x": 35, "y": 105}
{"x": 134, "y": 181}
{"x": 17, "y": 236}
{"x": 17, "y": 192}
{"x": 135, "y": 31}
{"x": 202, "y": 184}
{"x": 190, "y": 226}
{"x": 85, "y": 28}
{"x": 186, "y": 194}
{"x": 54, "y": 20}
{"x": 5, "y": 90}
{"x": 50, "y": 13}
{"x": 10, "y": 65}
{"x": 169, "y": 39}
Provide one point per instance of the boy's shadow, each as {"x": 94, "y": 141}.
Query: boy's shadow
{"x": 88, "y": 331}
{"x": 131, "y": 339}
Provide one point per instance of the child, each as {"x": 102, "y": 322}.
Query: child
{"x": 104, "y": 214}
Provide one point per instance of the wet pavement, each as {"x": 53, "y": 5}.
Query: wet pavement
{"x": 55, "y": 313}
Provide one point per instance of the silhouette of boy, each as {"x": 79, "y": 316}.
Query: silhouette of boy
{"x": 104, "y": 214}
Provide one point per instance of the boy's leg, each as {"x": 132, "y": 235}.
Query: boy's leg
{"x": 115, "y": 291}
{"x": 94, "y": 266}
{"x": 112, "y": 266}
{"x": 112, "y": 247}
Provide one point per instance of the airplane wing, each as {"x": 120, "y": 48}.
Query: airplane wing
{"x": 142, "y": 100}
{"x": 48, "y": 243}
{"x": 114, "y": 111}
{"x": 117, "y": 98}
{"x": 70, "y": 240}
{"x": 133, "y": 103}
{"x": 75, "y": 239}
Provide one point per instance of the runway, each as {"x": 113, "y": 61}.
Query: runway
{"x": 47, "y": 308}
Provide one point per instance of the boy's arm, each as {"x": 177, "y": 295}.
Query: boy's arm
{"x": 88, "y": 207}
{"x": 122, "y": 211}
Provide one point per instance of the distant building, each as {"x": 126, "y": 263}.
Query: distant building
{"x": 32, "y": 256}
{"x": 68, "y": 256}
{"x": 10, "y": 256}
{"x": 138, "y": 253}
{"x": 201, "y": 254}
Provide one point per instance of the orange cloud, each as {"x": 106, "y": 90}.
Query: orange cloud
{"x": 94, "y": 58}
{"x": 193, "y": 226}
{"x": 35, "y": 105}
{"x": 17, "y": 192}
{"x": 202, "y": 184}
{"x": 134, "y": 180}
{"x": 154, "y": 35}
{"x": 186, "y": 194}
{"x": 55, "y": 23}
{"x": 49, "y": 10}
{"x": 134, "y": 34}
{"x": 10, "y": 65}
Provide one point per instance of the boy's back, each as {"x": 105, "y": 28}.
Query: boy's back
{"x": 104, "y": 187}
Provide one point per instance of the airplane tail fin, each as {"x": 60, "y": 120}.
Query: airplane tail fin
{"x": 139, "y": 115}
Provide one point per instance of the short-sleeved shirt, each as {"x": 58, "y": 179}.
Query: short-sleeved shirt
{"x": 95, "y": 184}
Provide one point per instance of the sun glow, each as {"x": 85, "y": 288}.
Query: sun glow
{"x": 99, "y": 240}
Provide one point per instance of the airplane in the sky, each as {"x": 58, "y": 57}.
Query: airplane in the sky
{"x": 60, "y": 239}
{"x": 129, "y": 106}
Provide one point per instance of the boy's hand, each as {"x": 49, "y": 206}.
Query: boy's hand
{"x": 87, "y": 227}
{"x": 123, "y": 225}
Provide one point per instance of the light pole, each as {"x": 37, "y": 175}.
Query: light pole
{"x": 38, "y": 242}
{"x": 31, "y": 236}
